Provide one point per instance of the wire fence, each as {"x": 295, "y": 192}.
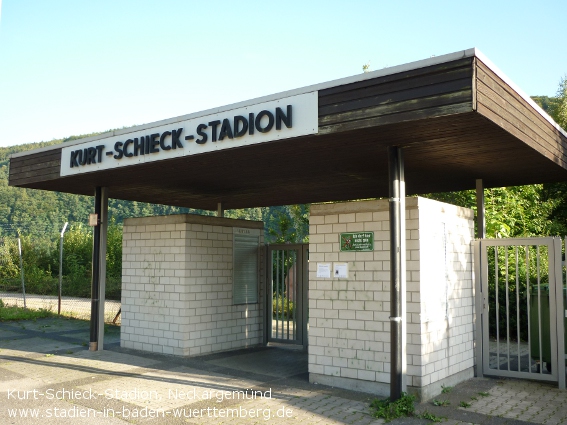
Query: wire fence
{"x": 37, "y": 273}
{"x": 78, "y": 308}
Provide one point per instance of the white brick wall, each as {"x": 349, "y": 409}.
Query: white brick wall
{"x": 349, "y": 328}
{"x": 177, "y": 286}
{"x": 446, "y": 339}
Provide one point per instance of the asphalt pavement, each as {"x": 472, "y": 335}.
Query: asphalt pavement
{"x": 48, "y": 376}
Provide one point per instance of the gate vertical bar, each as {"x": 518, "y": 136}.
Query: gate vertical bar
{"x": 497, "y": 309}
{"x": 507, "y": 310}
{"x": 395, "y": 168}
{"x": 560, "y": 313}
{"x": 539, "y": 311}
{"x": 294, "y": 293}
{"x": 293, "y": 299}
{"x": 277, "y": 283}
{"x": 298, "y": 306}
{"x": 267, "y": 292}
{"x": 305, "y": 296}
{"x": 286, "y": 304}
{"x": 552, "y": 302}
{"x": 518, "y": 307}
{"x": 528, "y": 309}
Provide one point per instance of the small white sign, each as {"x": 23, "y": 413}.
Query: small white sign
{"x": 93, "y": 220}
{"x": 341, "y": 270}
{"x": 324, "y": 270}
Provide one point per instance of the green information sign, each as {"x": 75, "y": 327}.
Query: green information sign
{"x": 360, "y": 241}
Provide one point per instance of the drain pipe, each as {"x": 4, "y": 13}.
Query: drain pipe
{"x": 397, "y": 284}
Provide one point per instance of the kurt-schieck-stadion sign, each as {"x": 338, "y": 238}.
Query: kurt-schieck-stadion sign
{"x": 257, "y": 123}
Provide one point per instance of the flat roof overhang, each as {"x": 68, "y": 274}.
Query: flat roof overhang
{"x": 458, "y": 118}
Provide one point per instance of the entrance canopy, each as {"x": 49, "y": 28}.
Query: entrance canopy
{"x": 457, "y": 117}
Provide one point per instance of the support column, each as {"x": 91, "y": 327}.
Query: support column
{"x": 397, "y": 271}
{"x": 480, "y": 220}
{"x": 102, "y": 265}
{"x": 478, "y": 295}
{"x": 220, "y": 210}
{"x": 98, "y": 270}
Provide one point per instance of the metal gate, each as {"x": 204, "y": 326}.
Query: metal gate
{"x": 287, "y": 284}
{"x": 519, "y": 308}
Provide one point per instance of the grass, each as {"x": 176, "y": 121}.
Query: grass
{"x": 464, "y": 404}
{"x": 445, "y": 389}
{"x": 403, "y": 407}
{"x": 441, "y": 402}
{"x": 13, "y": 313}
{"x": 389, "y": 410}
{"x": 431, "y": 417}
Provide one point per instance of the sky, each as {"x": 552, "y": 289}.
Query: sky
{"x": 71, "y": 67}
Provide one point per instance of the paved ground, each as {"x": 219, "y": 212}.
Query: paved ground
{"x": 47, "y": 373}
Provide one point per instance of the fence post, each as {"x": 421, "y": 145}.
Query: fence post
{"x": 560, "y": 312}
{"x": 22, "y": 269}
{"x": 61, "y": 267}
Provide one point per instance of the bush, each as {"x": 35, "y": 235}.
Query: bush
{"x": 41, "y": 263}
{"x": 39, "y": 282}
{"x": 114, "y": 253}
{"x": 113, "y": 287}
{"x": 282, "y": 308}
{"x": 9, "y": 258}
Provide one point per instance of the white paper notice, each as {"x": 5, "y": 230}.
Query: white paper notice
{"x": 341, "y": 270}
{"x": 324, "y": 270}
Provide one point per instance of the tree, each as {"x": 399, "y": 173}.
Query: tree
{"x": 559, "y": 107}
{"x": 288, "y": 224}
{"x": 545, "y": 102}
{"x": 511, "y": 211}
{"x": 558, "y": 191}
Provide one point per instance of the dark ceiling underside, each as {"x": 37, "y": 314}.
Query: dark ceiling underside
{"x": 441, "y": 154}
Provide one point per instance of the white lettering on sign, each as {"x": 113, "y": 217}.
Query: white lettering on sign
{"x": 264, "y": 122}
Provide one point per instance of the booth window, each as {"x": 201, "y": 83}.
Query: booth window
{"x": 245, "y": 267}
